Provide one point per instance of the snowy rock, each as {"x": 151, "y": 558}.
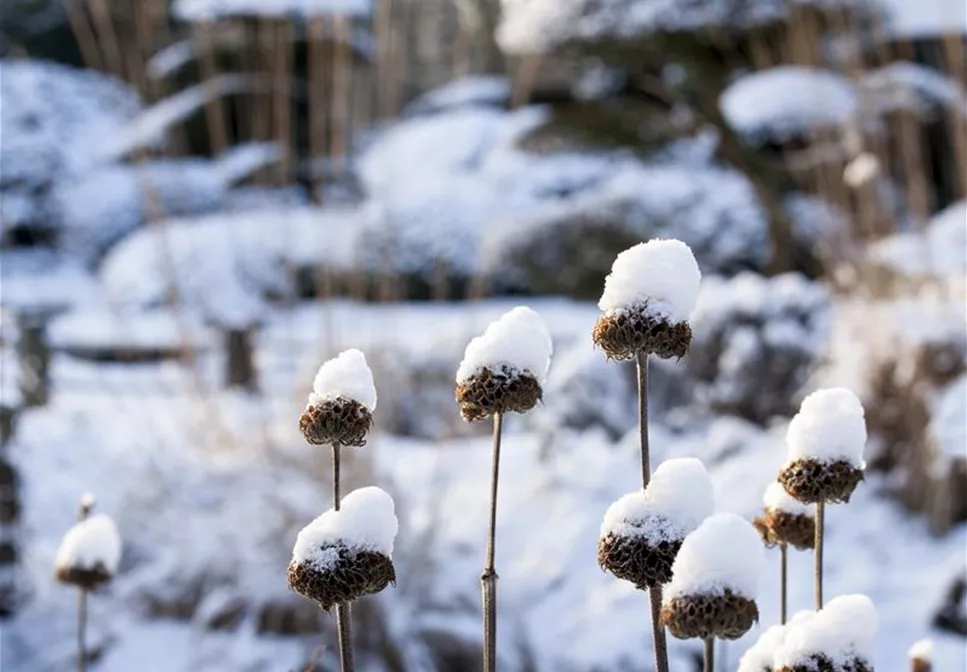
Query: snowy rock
{"x": 843, "y": 631}
{"x": 756, "y": 340}
{"x": 788, "y": 102}
{"x": 661, "y": 272}
{"x": 347, "y": 375}
{"x": 211, "y": 10}
{"x": 829, "y": 426}
{"x": 777, "y": 499}
{"x": 519, "y": 340}
{"x": 93, "y": 542}
{"x": 678, "y": 498}
{"x": 724, "y": 553}
{"x": 366, "y": 521}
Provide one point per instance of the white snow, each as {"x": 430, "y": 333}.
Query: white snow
{"x": 678, "y": 498}
{"x": 469, "y": 91}
{"x": 829, "y": 426}
{"x": 210, "y": 10}
{"x": 904, "y": 85}
{"x": 948, "y": 421}
{"x": 725, "y": 552}
{"x": 939, "y": 250}
{"x": 366, "y": 521}
{"x": 926, "y": 19}
{"x": 519, "y": 340}
{"x": 170, "y": 59}
{"x": 777, "y": 499}
{"x": 861, "y": 170}
{"x": 91, "y": 543}
{"x": 922, "y": 650}
{"x": 758, "y": 658}
{"x": 843, "y": 630}
{"x": 88, "y": 500}
{"x": 788, "y": 101}
{"x": 662, "y": 272}
{"x": 346, "y": 375}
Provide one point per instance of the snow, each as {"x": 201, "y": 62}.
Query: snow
{"x": 171, "y": 59}
{"x": 787, "y": 102}
{"x": 927, "y": 19}
{"x": 904, "y": 85}
{"x": 829, "y": 426}
{"x": 939, "y": 250}
{"x": 724, "y": 553}
{"x": 95, "y": 328}
{"x": 948, "y": 422}
{"x": 346, "y": 375}
{"x": 366, "y": 521}
{"x": 922, "y": 650}
{"x": 844, "y": 630}
{"x": 678, "y": 498}
{"x": 210, "y": 10}
{"x": 469, "y": 91}
{"x": 861, "y": 170}
{"x": 92, "y": 542}
{"x": 777, "y": 499}
{"x": 662, "y": 272}
{"x": 519, "y": 341}
{"x": 758, "y": 658}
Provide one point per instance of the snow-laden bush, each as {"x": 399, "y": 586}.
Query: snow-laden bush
{"x": 756, "y": 341}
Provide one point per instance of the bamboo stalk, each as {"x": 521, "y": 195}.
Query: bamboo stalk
{"x": 488, "y": 580}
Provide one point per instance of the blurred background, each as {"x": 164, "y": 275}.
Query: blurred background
{"x": 202, "y": 200}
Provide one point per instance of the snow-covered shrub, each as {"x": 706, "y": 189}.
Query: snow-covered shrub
{"x": 756, "y": 341}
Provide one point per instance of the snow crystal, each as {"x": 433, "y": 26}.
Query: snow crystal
{"x": 209, "y": 10}
{"x": 347, "y": 375}
{"x": 829, "y": 426}
{"x": 777, "y": 499}
{"x": 787, "y": 102}
{"x": 725, "y": 552}
{"x": 676, "y": 501}
{"x": 843, "y": 630}
{"x": 366, "y": 521}
{"x": 91, "y": 542}
{"x": 922, "y": 650}
{"x": 518, "y": 340}
{"x": 662, "y": 272}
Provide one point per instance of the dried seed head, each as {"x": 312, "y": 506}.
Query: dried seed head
{"x": 726, "y": 616}
{"x": 338, "y": 421}
{"x": 635, "y": 559}
{"x": 87, "y": 578}
{"x": 351, "y": 575}
{"x": 497, "y": 390}
{"x": 625, "y": 332}
{"x": 781, "y": 527}
{"x": 811, "y": 481}
{"x": 822, "y": 663}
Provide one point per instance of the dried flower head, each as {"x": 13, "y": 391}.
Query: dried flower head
{"x": 840, "y": 637}
{"x": 786, "y": 520}
{"x": 342, "y": 401}
{"x": 499, "y": 390}
{"x": 348, "y": 575}
{"x": 625, "y": 332}
{"x": 812, "y": 481}
{"x": 637, "y": 560}
{"x": 726, "y": 616}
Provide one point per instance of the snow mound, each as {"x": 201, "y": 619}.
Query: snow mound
{"x": 662, "y": 272}
{"x": 788, "y": 102}
{"x": 470, "y": 91}
{"x": 211, "y": 10}
{"x": 519, "y": 340}
{"x": 777, "y": 499}
{"x": 940, "y": 250}
{"x": 347, "y": 375}
{"x": 91, "y": 543}
{"x": 829, "y": 426}
{"x": 843, "y": 631}
{"x": 366, "y": 521}
{"x": 724, "y": 553}
{"x": 922, "y": 650}
{"x": 758, "y": 658}
{"x": 676, "y": 501}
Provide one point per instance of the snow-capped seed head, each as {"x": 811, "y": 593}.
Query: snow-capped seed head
{"x": 777, "y": 499}
{"x": 343, "y": 555}
{"x": 346, "y": 376}
{"x": 89, "y": 554}
{"x": 504, "y": 369}
{"x": 87, "y": 502}
{"x": 921, "y": 653}
{"x": 661, "y": 273}
{"x": 759, "y": 657}
{"x": 842, "y": 633}
{"x": 786, "y": 520}
{"x": 830, "y": 426}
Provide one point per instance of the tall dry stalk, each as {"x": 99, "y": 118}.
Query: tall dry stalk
{"x": 820, "y": 525}
{"x": 344, "y": 614}
{"x": 82, "y": 514}
{"x": 710, "y": 654}
{"x": 654, "y": 594}
{"x": 488, "y": 580}
{"x": 784, "y": 582}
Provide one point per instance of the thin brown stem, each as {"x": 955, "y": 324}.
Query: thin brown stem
{"x": 710, "y": 654}
{"x": 488, "y": 580}
{"x": 820, "y": 520}
{"x": 81, "y": 630}
{"x": 783, "y": 578}
{"x": 344, "y": 624}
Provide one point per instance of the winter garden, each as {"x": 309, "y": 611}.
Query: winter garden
{"x": 457, "y": 335}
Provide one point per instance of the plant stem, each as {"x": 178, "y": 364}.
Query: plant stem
{"x": 344, "y": 623}
{"x": 783, "y": 555}
{"x": 710, "y": 654}
{"x": 820, "y": 520}
{"x": 488, "y": 580}
{"x": 81, "y": 630}
{"x": 654, "y": 595}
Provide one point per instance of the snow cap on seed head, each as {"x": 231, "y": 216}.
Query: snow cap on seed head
{"x": 725, "y": 552}
{"x": 348, "y": 376}
{"x": 843, "y": 630}
{"x": 922, "y": 650}
{"x": 90, "y": 544}
{"x": 777, "y": 499}
{"x": 829, "y": 426}
{"x": 662, "y": 272}
{"x": 88, "y": 501}
{"x": 519, "y": 340}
